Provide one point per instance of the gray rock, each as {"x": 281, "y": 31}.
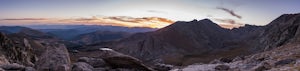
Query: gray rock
{"x": 261, "y": 59}
{"x": 163, "y": 67}
{"x": 13, "y": 66}
{"x": 262, "y": 67}
{"x": 2, "y": 69}
{"x": 81, "y": 66}
{"x": 226, "y": 60}
{"x": 100, "y": 69}
{"x": 83, "y": 59}
{"x": 124, "y": 69}
{"x": 63, "y": 68}
{"x": 285, "y": 61}
{"x": 3, "y": 60}
{"x": 74, "y": 51}
{"x": 29, "y": 69}
{"x": 215, "y": 61}
{"x": 55, "y": 57}
{"x": 95, "y": 62}
{"x": 222, "y": 67}
{"x": 238, "y": 58}
{"x": 119, "y": 60}
{"x": 15, "y": 53}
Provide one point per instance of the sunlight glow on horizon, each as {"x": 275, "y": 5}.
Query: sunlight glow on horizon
{"x": 150, "y": 22}
{"x": 255, "y": 12}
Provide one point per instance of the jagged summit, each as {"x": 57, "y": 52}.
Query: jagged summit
{"x": 284, "y": 18}
{"x": 282, "y": 30}
{"x": 194, "y": 22}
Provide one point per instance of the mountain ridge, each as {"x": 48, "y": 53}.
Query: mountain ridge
{"x": 183, "y": 43}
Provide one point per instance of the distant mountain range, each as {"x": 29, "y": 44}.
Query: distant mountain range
{"x": 200, "y": 37}
{"x": 76, "y": 30}
{"x": 184, "y": 43}
{"x": 271, "y": 47}
{"x": 74, "y": 35}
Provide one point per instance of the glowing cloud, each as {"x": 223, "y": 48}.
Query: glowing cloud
{"x": 228, "y": 23}
{"x": 25, "y": 19}
{"x": 150, "y": 22}
{"x": 231, "y": 12}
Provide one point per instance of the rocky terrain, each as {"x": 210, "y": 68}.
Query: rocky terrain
{"x": 279, "y": 43}
{"x": 283, "y": 58}
{"x": 198, "y": 45}
{"x": 184, "y": 43}
{"x": 30, "y": 54}
{"x": 19, "y": 53}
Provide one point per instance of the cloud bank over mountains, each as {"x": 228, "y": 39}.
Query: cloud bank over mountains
{"x": 150, "y": 22}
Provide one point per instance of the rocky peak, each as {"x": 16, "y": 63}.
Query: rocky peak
{"x": 283, "y": 18}
{"x": 195, "y": 23}
{"x": 14, "y": 53}
{"x": 282, "y": 30}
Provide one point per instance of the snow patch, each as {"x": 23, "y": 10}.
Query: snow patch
{"x": 107, "y": 49}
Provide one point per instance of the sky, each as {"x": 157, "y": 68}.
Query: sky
{"x": 255, "y": 12}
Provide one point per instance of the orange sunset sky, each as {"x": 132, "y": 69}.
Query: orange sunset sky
{"x": 142, "y": 13}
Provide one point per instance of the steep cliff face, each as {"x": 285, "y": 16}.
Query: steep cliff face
{"x": 54, "y": 58}
{"x": 282, "y": 30}
{"x": 17, "y": 52}
{"x": 40, "y": 53}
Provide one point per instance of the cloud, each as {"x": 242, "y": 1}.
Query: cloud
{"x": 231, "y": 12}
{"x": 126, "y": 21}
{"x": 156, "y": 11}
{"x": 26, "y": 19}
{"x": 228, "y": 21}
{"x": 209, "y": 16}
{"x": 85, "y": 19}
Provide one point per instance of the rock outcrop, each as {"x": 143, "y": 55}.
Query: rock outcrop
{"x": 30, "y": 50}
{"x": 110, "y": 60}
{"x": 81, "y": 66}
{"x": 95, "y": 62}
{"x": 222, "y": 68}
{"x": 282, "y": 30}
{"x": 55, "y": 57}
{"x": 13, "y": 66}
{"x": 14, "y": 53}
{"x": 118, "y": 60}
